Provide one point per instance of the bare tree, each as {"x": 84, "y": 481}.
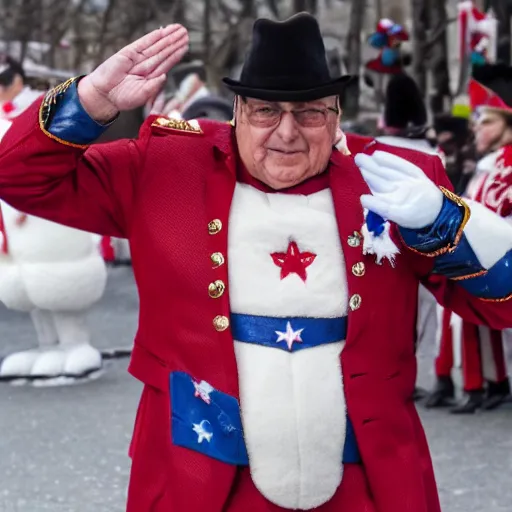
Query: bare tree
{"x": 305, "y": 5}
{"x": 353, "y": 51}
{"x": 419, "y": 33}
{"x": 438, "y": 53}
{"x": 503, "y": 12}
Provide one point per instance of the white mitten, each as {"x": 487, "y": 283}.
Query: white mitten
{"x": 401, "y": 192}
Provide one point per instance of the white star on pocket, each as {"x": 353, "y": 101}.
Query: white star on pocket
{"x": 203, "y": 431}
{"x": 203, "y": 390}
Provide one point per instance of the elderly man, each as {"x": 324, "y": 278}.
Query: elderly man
{"x": 278, "y": 280}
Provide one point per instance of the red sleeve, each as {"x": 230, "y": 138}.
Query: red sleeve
{"x": 495, "y": 314}
{"x": 91, "y": 189}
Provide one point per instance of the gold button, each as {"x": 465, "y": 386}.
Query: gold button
{"x": 354, "y": 240}
{"x": 216, "y": 289}
{"x": 358, "y": 269}
{"x": 214, "y": 226}
{"x": 217, "y": 259}
{"x": 355, "y": 302}
{"x": 221, "y": 323}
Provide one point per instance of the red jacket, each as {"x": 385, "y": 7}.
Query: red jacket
{"x": 162, "y": 191}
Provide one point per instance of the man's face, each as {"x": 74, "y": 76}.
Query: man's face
{"x": 283, "y": 144}
{"x": 490, "y": 130}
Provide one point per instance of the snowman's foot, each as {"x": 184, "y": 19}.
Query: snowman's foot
{"x": 56, "y": 366}
{"x": 18, "y": 365}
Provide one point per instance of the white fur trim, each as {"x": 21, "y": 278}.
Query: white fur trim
{"x": 293, "y": 411}
{"x": 489, "y": 235}
{"x": 261, "y": 224}
{"x": 292, "y": 404}
{"x": 382, "y": 246}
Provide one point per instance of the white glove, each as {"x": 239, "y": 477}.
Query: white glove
{"x": 401, "y": 192}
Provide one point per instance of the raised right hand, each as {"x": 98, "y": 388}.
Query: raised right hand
{"x": 133, "y": 75}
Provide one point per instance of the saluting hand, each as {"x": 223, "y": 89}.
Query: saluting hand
{"x": 133, "y": 75}
{"x": 401, "y": 192}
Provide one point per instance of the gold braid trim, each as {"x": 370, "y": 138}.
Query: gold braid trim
{"x": 503, "y": 299}
{"x": 49, "y": 101}
{"x": 470, "y": 276}
{"x": 453, "y": 245}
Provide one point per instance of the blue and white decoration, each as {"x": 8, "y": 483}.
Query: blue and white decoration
{"x": 376, "y": 238}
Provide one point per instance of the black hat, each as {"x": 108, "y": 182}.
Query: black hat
{"x": 287, "y": 62}
{"x": 209, "y": 107}
{"x": 497, "y": 78}
{"x": 405, "y": 106}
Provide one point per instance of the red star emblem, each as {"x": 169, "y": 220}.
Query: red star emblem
{"x": 293, "y": 261}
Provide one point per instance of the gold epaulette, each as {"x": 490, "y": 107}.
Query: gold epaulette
{"x": 177, "y": 125}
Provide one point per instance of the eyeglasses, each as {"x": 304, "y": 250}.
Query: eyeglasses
{"x": 264, "y": 115}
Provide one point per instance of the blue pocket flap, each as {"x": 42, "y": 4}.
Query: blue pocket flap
{"x": 206, "y": 420}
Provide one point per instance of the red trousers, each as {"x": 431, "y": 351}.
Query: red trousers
{"x": 353, "y": 495}
{"x": 483, "y": 357}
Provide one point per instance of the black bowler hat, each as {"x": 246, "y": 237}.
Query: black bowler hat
{"x": 287, "y": 62}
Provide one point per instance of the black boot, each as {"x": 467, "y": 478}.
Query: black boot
{"x": 497, "y": 393}
{"x": 442, "y": 394}
{"x": 472, "y": 401}
{"x": 419, "y": 394}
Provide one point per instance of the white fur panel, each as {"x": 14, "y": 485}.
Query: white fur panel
{"x": 294, "y": 419}
{"x": 262, "y": 224}
{"x": 292, "y": 404}
{"x": 489, "y": 235}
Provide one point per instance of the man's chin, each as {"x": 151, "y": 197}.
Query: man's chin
{"x": 284, "y": 179}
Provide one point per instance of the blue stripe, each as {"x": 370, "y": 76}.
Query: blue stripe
{"x": 312, "y": 332}
{"x": 212, "y": 425}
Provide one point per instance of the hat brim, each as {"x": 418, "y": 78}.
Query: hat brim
{"x": 333, "y": 88}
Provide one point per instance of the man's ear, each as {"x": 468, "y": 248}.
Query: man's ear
{"x": 338, "y": 136}
{"x": 341, "y": 142}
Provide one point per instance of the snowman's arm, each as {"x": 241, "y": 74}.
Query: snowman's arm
{"x": 49, "y": 169}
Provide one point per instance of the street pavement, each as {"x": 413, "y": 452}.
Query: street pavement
{"x": 64, "y": 449}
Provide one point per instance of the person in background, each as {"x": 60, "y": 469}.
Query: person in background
{"x": 15, "y": 95}
{"x": 453, "y": 134}
{"x": 404, "y": 124}
{"x": 486, "y": 382}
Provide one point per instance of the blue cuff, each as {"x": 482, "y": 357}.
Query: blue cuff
{"x": 462, "y": 265}
{"x": 446, "y": 231}
{"x": 64, "y": 118}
